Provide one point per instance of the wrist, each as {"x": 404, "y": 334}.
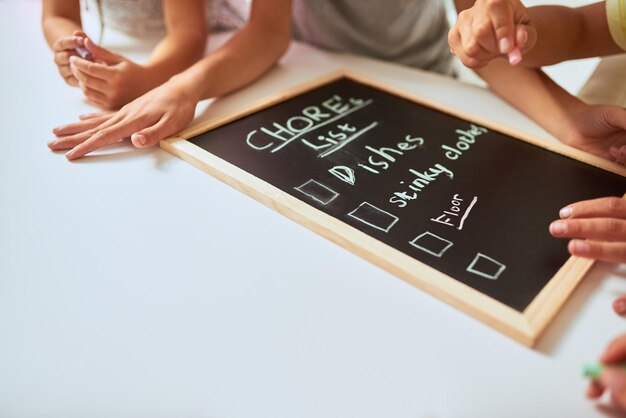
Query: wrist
{"x": 185, "y": 87}
{"x": 567, "y": 128}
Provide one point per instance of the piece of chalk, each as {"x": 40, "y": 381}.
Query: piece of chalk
{"x": 84, "y": 53}
{"x": 594, "y": 370}
{"x": 515, "y": 56}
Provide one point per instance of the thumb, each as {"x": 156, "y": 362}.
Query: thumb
{"x": 614, "y": 380}
{"x": 525, "y": 37}
{"x": 616, "y": 117}
{"x": 151, "y": 136}
{"x": 102, "y": 55}
{"x": 79, "y": 33}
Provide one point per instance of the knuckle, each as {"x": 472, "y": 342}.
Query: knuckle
{"x": 483, "y": 30}
{"x": 614, "y": 204}
{"x": 473, "y": 48}
{"x": 613, "y": 226}
{"x": 470, "y": 62}
{"x": 494, "y": 4}
{"x": 464, "y": 16}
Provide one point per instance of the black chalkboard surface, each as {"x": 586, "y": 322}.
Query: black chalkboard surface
{"x": 456, "y": 195}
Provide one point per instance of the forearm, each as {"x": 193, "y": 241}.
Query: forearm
{"x": 60, "y": 18}
{"x": 175, "y": 53}
{"x": 565, "y": 33}
{"x": 535, "y": 94}
{"x": 244, "y": 58}
{"x": 56, "y": 27}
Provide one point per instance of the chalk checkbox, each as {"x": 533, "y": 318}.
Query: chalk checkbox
{"x": 486, "y": 267}
{"x": 374, "y": 217}
{"x": 318, "y": 192}
{"x": 431, "y": 244}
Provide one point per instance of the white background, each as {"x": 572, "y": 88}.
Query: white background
{"x": 135, "y": 285}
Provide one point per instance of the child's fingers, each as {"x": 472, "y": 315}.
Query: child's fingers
{"x": 605, "y": 229}
{"x": 82, "y": 126}
{"x": 70, "y": 42}
{"x": 102, "y": 54}
{"x": 80, "y": 34}
{"x": 595, "y": 389}
{"x": 148, "y": 137}
{"x": 614, "y": 252}
{"x": 482, "y": 29}
{"x": 92, "y": 83}
{"x": 454, "y": 40}
{"x": 63, "y": 57}
{"x": 619, "y": 305}
{"x": 525, "y": 37}
{"x": 472, "y": 48}
{"x": 615, "y": 352}
{"x": 67, "y": 75}
{"x": 101, "y": 139}
{"x": 610, "y": 207}
{"x": 501, "y": 16}
{"x": 615, "y": 380}
{"x": 93, "y": 69}
{"x": 95, "y": 97}
{"x": 88, "y": 116}
{"x": 72, "y": 140}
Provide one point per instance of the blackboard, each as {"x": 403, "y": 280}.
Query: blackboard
{"x": 447, "y": 192}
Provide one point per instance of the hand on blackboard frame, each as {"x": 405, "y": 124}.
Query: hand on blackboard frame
{"x": 612, "y": 379}
{"x": 156, "y": 115}
{"x": 597, "y": 226}
{"x": 599, "y": 130}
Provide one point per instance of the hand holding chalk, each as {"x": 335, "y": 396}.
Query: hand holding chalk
{"x": 84, "y": 53}
{"x": 492, "y": 29}
{"x": 610, "y": 374}
{"x": 515, "y": 56}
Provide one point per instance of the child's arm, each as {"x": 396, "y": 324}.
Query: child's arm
{"x": 595, "y": 129}
{"x": 167, "y": 109}
{"x": 545, "y": 34}
{"x": 59, "y": 20}
{"x": 112, "y": 81}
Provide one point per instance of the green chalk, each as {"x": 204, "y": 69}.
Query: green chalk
{"x": 594, "y": 370}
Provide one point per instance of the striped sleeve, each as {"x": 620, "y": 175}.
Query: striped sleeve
{"x": 616, "y": 15}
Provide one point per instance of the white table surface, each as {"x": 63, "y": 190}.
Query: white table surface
{"x": 135, "y": 285}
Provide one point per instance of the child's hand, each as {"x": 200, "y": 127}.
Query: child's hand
{"x": 598, "y": 227}
{"x": 157, "y": 115}
{"x": 612, "y": 378}
{"x": 492, "y": 29}
{"x": 111, "y": 80}
{"x": 63, "y": 49}
{"x": 599, "y": 130}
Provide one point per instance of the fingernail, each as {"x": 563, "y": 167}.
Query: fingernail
{"x": 579, "y": 246}
{"x": 52, "y": 143}
{"x": 140, "y": 138}
{"x": 73, "y": 59}
{"x": 524, "y": 38}
{"x": 558, "y": 227}
{"x": 566, "y": 212}
{"x": 69, "y": 155}
{"x": 619, "y": 306}
{"x": 80, "y": 40}
{"x": 515, "y": 56}
{"x": 505, "y": 45}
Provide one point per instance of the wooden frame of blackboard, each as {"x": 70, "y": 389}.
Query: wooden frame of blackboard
{"x": 525, "y": 327}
